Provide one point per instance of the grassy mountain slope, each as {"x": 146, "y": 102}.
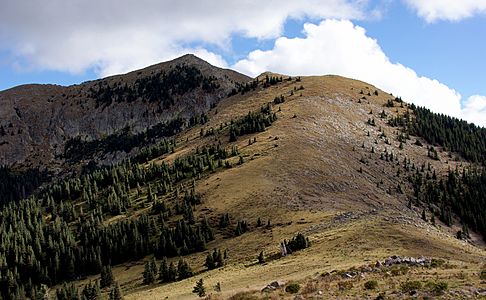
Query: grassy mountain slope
{"x": 323, "y": 161}
{"x": 303, "y": 175}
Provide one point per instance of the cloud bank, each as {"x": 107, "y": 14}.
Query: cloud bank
{"x": 112, "y": 36}
{"x": 448, "y": 10}
{"x": 340, "y": 47}
{"x": 115, "y": 36}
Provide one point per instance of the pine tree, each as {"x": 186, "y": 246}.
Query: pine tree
{"x": 106, "y": 277}
{"x": 183, "y": 270}
{"x": 66, "y": 292}
{"x": 224, "y": 221}
{"x": 172, "y": 274}
{"x": 164, "y": 270}
{"x": 218, "y": 258}
{"x": 150, "y": 272}
{"x": 210, "y": 264}
{"x": 115, "y": 293}
{"x": 91, "y": 291}
{"x": 199, "y": 288}
{"x": 261, "y": 258}
{"x": 424, "y": 216}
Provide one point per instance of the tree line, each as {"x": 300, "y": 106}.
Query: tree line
{"x": 252, "y": 122}
{"x": 162, "y": 87}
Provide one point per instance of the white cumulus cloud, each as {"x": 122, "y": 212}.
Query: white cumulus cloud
{"x": 450, "y": 10}
{"x": 340, "y": 47}
{"x": 115, "y": 36}
{"x": 475, "y": 110}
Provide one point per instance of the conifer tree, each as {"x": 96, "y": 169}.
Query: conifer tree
{"x": 210, "y": 264}
{"x": 164, "y": 270}
{"x": 218, "y": 258}
{"x": 106, "y": 277}
{"x": 199, "y": 288}
{"x": 261, "y": 258}
{"x": 115, "y": 293}
{"x": 91, "y": 291}
{"x": 172, "y": 274}
{"x": 183, "y": 270}
{"x": 424, "y": 216}
{"x": 150, "y": 272}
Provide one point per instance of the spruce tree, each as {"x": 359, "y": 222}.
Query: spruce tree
{"x": 150, "y": 272}
{"x": 210, "y": 264}
{"x": 91, "y": 291}
{"x": 106, "y": 277}
{"x": 218, "y": 258}
{"x": 199, "y": 288}
{"x": 424, "y": 216}
{"x": 115, "y": 293}
{"x": 172, "y": 274}
{"x": 183, "y": 270}
{"x": 164, "y": 271}
{"x": 261, "y": 258}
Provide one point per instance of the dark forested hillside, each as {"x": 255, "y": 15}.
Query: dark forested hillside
{"x": 461, "y": 192}
{"x": 16, "y": 185}
{"x": 61, "y": 233}
{"x": 452, "y": 134}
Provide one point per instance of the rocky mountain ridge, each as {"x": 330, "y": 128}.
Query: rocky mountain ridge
{"x": 36, "y": 121}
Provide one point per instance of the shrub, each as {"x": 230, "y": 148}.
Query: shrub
{"x": 298, "y": 242}
{"x": 310, "y": 287}
{"x": 345, "y": 285}
{"x": 482, "y": 275}
{"x": 243, "y": 296}
{"x": 399, "y": 270}
{"x": 410, "y": 286}
{"x": 292, "y": 288}
{"x": 371, "y": 284}
{"x": 437, "y": 288}
{"x": 437, "y": 263}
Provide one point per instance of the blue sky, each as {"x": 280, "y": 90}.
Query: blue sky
{"x": 431, "y": 52}
{"x": 451, "y": 52}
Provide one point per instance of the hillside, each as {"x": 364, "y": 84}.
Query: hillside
{"x": 338, "y": 160}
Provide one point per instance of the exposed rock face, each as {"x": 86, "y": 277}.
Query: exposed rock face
{"x": 37, "y": 120}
